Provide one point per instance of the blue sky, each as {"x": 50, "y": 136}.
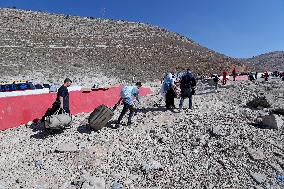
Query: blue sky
{"x": 237, "y": 28}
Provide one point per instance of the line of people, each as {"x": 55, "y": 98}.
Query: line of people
{"x": 127, "y": 94}
{"x": 183, "y": 83}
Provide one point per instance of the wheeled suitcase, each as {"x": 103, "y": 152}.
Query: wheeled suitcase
{"x": 101, "y": 116}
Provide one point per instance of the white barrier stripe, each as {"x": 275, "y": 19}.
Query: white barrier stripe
{"x": 34, "y": 92}
{"x": 22, "y": 93}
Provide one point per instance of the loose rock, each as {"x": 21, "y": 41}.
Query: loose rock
{"x": 258, "y": 177}
{"x": 67, "y": 147}
{"x": 273, "y": 121}
{"x": 256, "y": 154}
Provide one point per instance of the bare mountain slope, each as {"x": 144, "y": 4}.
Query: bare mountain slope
{"x": 50, "y": 47}
{"x": 269, "y": 61}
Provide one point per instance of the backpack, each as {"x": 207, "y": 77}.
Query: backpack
{"x": 215, "y": 79}
{"x": 167, "y": 85}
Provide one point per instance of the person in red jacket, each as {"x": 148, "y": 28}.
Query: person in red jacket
{"x": 224, "y": 81}
{"x": 234, "y": 73}
{"x": 282, "y": 76}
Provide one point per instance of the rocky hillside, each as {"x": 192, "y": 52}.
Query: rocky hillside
{"x": 49, "y": 47}
{"x": 269, "y": 61}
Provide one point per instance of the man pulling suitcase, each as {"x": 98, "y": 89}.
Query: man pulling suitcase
{"x": 102, "y": 114}
{"x": 127, "y": 94}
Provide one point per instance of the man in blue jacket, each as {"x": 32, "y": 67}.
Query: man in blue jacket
{"x": 127, "y": 94}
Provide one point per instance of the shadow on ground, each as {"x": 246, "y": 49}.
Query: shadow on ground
{"x": 41, "y": 132}
{"x": 84, "y": 129}
{"x": 260, "y": 126}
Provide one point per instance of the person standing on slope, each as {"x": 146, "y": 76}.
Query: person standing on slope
{"x": 169, "y": 89}
{"x": 62, "y": 100}
{"x": 234, "y": 73}
{"x": 224, "y": 81}
{"x": 215, "y": 80}
{"x": 187, "y": 86}
{"x": 266, "y": 76}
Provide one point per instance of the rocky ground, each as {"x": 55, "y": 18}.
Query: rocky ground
{"x": 219, "y": 144}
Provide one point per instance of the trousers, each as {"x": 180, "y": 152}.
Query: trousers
{"x": 189, "y": 102}
{"x": 126, "y": 107}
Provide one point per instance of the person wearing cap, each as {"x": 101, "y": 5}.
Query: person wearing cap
{"x": 128, "y": 93}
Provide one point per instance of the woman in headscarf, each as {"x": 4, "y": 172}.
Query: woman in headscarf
{"x": 168, "y": 89}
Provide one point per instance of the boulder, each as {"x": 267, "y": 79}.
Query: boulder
{"x": 170, "y": 130}
{"x": 258, "y": 177}
{"x": 259, "y": 102}
{"x": 218, "y": 131}
{"x": 2, "y": 186}
{"x": 117, "y": 185}
{"x": 92, "y": 182}
{"x": 256, "y": 154}
{"x": 67, "y": 147}
{"x": 151, "y": 165}
{"x": 272, "y": 121}
{"x": 276, "y": 167}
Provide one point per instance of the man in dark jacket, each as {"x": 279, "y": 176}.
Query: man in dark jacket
{"x": 216, "y": 79}
{"x": 62, "y": 100}
{"x": 187, "y": 86}
{"x": 63, "y": 95}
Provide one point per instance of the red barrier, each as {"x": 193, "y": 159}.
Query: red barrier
{"x": 15, "y": 111}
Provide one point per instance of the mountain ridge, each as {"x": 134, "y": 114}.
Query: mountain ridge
{"x": 55, "y": 46}
{"x": 271, "y": 61}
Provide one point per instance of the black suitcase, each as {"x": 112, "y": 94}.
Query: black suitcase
{"x": 101, "y": 116}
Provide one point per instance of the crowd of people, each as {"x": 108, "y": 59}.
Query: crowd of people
{"x": 174, "y": 84}
{"x": 183, "y": 83}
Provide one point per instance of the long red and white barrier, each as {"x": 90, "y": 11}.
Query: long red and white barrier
{"x": 19, "y": 109}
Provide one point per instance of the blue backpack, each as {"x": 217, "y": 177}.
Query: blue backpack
{"x": 167, "y": 85}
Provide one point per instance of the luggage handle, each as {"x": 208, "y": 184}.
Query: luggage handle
{"x": 57, "y": 112}
{"x": 117, "y": 104}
